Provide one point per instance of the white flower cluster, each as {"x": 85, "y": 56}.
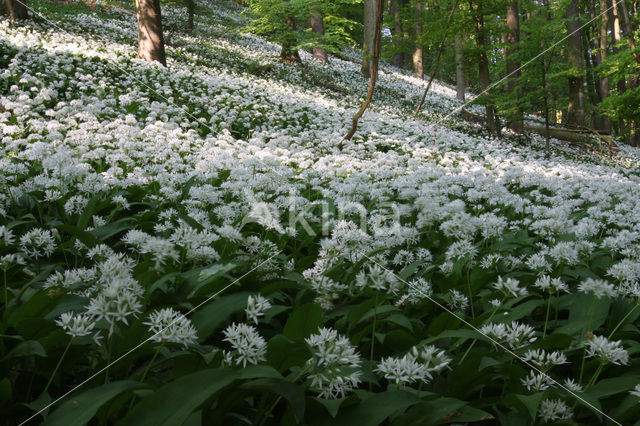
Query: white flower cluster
{"x": 417, "y": 365}
{"x": 248, "y": 346}
{"x": 256, "y": 307}
{"x": 334, "y": 365}
{"x": 169, "y": 325}
{"x": 554, "y": 409}
{"x": 517, "y": 335}
{"x": 608, "y": 352}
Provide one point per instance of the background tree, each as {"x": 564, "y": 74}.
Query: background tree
{"x": 14, "y": 9}
{"x": 150, "y": 37}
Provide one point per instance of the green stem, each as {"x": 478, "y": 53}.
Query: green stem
{"x": 373, "y": 333}
{"x": 594, "y": 377}
{"x": 6, "y": 294}
{"x": 546, "y": 318}
{"x": 623, "y": 320}
{"x": 473, "y": 315}
{"x": 146, "y": 370}
{"x": 46, "y": 388}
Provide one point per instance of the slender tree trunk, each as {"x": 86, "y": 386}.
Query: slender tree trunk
{"x": 191, "y": 6}
{"x": 514, "y": 121}
{"x": 460, "y": 86}
{"x": 15, "y": 10}
{"x": 398, "y": 56}
{"x": 626, "y": 21}
{"x": 418, "y": 70}
{"x": 373, "y": 70}
{"x": 369, "y": 35}
{"x": 317, "y": 26}
{"x": 576, "y": 113}
{"x": 484, "y": 78}
{"x": 150, "y": 37}
{"x": 604, "y": 80}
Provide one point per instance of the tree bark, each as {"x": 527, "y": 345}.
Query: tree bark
{"x": 150, "y": 37}
{"x": 418, "y": 69}
{"x": 288, "y": 53}
{"x": 398, "y": 56}
{"x": 191, "y": 6}
{"x": 576, "y": 112}
{"x": 369, "y": 36}
{"x": 626, "y": 21}
{"x": 317, "y": 26}
{"x": 514, "y": 120}
{"x": 484, "y": 78}
{"x": 373, "y": 76}
{"x": 604, "y": 80}
{"x": 460, "y": 86}
{"x": 15, "y": 10}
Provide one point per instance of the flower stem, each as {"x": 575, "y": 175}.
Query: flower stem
{"x": 46, "y": 388}
{"x": 623, "y": 319}
{"x": 546, "y": 318}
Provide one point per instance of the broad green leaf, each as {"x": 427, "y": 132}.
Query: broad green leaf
{"x": 24, "y": 349}
{"x": 304, "y": 321}
{"x": 173, "y": 403}
{"x": 5, "y": 391}
{"x": 211, "y": 316}
{"x": 375, "y": 409}
{"x": 290, "y": 391}
{"x": 614, "y": 385}
{"x": 81, "y": 408}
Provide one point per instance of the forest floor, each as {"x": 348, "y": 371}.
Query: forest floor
{"x": 193, "y": 235}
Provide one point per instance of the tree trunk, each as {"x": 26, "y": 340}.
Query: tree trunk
{"x": 459, "y": 69}
{"x": 626, "y": 21}
{"x": 615, "y": 27}
{"x": 576, "y": 112}
{"x": 191, "y": 6}
{"x": 369, "y": 35}
{"x": 604, "y": 81}
{"x": 289, "y": 54}
{"x": 15, "y": 10}
{"x": 373, "y": 76}
{"x": 418, "y": 70}
{"x": 317, "y": 26}
{"x": 150, "y": 38}
{"x": 484, "y": 78}
{"x": 398, "y": 56}
{"x": 514, "y": 120}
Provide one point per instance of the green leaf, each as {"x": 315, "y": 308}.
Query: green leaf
{"x": 5, "y": 391}
{"x": 375, "y": 409}
{"x": 81, "y": 408}
{"x": 437, "y": 411}
{"x": 85, "y": 237}
{"x": 290, "y": 391}
{"x": 303, "y": 321}
{"x": 283, "y": 353}
{"x": 211, "y": 316}
{"x": 526, "y": 404}
{"x": 614, "y": 385}
{"x": 173, "y": 403}
{"x": 24, "y": 349}
{"x": 332, "y": 405}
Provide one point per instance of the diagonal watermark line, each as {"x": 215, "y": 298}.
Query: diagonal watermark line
{"x": 130, "y": 351}
{"x": 491, "y": 86}
{"x": 494, "y": 341}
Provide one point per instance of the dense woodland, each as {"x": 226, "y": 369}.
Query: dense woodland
{"x": 318, "y": 212}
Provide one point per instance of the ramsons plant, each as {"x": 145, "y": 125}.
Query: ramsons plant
{"x": 187, "y": 245}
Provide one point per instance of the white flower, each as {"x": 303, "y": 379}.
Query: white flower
{"x": 597, "y": 287}
{"x": 636, "y": 391}
{"x": 256, "y": 307}
{"x": 609, "y": 352}
{"x": 169, "y": 325}
{"x": 334, "y": 364}
{"x": 537, "y": 382}
{"x": 554, "y": 409}
{"x": 416, "y": 365}
{"x": 37, "y": 243}
{"x": 551, "y": 285}
{"x": 543, "y": 359}
{"x": 572, "y": 385}
{"x": 515, "y": 334}
{"x": 76, "y": 325}
{"x": 510, "y": 286}
{"x": 6, "y": 236}
{"x": 458, "y": 302}
{"x": 248, "y": 346}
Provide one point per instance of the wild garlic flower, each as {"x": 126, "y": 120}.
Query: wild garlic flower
{"x": 551, "y": 285}
{"x": 636, "y": 391}
{"x": 6, "y": 236}
{"x": 608, "y": 352}
{"x": 515, "y": 334}
{"x": 37, "y": 243}
{"x": 573, "y": 386}
{"x": 537, "y": 382}
{"x": 545, "y": 360}
{"x": 334, "y": 364}
{"x": 554, "y": 409}
{"x": 598, "y": 288}
{"x": 160, "y": 249}
{"x": 169, "y": 325}
{"x": 248, "y": 346}
{"x": 256, "y": 307}
{"x": 418, "y": 290}
{"x": 510, "y": 286}
{"x": 417, "y": 365}
{"x": 458, "y": 302}
{"x": 76, "y": 325}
